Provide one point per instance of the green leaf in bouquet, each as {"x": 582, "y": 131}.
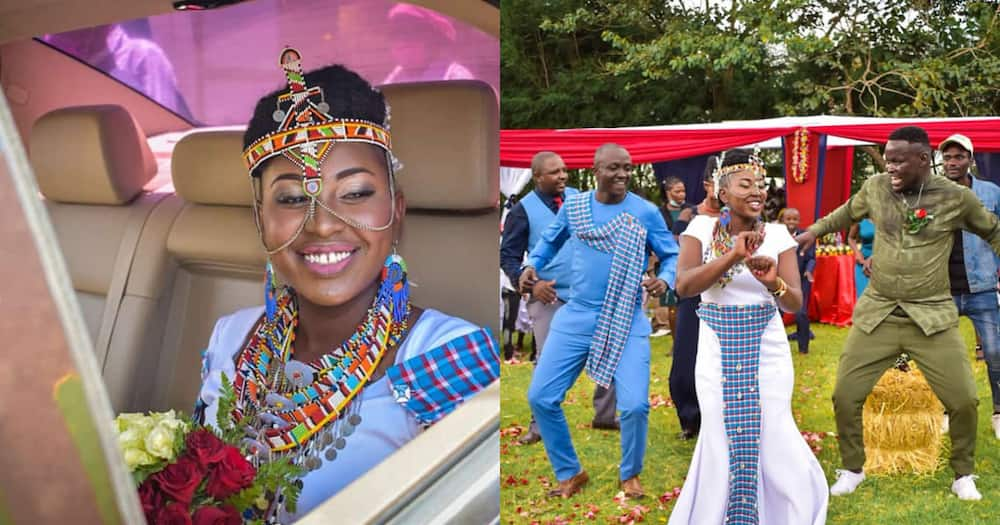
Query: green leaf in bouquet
{"x": 224, "y": 417}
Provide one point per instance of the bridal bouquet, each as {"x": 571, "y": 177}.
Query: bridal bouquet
{"x": 191, "y": 474}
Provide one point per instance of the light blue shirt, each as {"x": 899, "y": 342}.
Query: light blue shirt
{"x": 591, "y": 268}
{"x": 385, "y": 424}
{"x": 980, "y": 261}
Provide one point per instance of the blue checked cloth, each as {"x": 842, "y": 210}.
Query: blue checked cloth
{"x": 434, "y": 383}
{"x": 739, "y": 329}
{"x": 625, "y": 238}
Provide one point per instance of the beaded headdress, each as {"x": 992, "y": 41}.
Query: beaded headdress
{"x": 754, "y": 164}
{"x": 306, "y": 132}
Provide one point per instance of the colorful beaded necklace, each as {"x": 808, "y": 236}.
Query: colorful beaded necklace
{"x": 722, "y": 243}
{"x": 286, "y": 402}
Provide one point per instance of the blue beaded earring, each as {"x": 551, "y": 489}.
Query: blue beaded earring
{"x": 395, "y": 289}
{"x": 270, "y": 292}
{"x": 724, "y": 216}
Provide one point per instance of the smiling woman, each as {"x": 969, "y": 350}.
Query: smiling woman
{"x": 338, "y": 369}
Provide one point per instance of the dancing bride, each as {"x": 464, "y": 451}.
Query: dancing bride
{"x": 751, "y": 464}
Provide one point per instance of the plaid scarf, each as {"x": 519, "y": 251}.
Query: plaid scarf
{"x": 625, "y": 238}
{"x": 739, "y": 329}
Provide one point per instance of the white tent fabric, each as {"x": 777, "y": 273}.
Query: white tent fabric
{"x": 513, "y": 180}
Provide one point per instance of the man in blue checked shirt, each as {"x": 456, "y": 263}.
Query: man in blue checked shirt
{"x": 603, "y": 326}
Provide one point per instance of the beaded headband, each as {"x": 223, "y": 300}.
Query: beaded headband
{"x": 307, "y": 130}
{"x": 755, "y": 166}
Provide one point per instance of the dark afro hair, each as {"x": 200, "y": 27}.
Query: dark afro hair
{"x": 347, "y": 94}
{"x": 911, "y": 134}
{"x": 732, "y": 158}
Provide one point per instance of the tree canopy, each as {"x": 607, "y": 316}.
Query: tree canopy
{"x": 578, "y": 63}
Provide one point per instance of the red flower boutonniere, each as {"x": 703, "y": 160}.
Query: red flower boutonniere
{"x": 917, "y": 219}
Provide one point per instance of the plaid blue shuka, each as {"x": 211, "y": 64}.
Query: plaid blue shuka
{"x": 625, "y": 238}
{"x": 739, "y": 329}
{"x": 434, "y": 383}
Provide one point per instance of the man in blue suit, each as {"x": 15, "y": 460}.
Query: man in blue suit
{"x": 521, "y": 232}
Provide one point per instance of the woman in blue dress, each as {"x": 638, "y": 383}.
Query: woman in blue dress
{"x": 337, "y": 370}
{"x": 861, "y": 238}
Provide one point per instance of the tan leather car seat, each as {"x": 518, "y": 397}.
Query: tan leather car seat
{"x": 91, "y": 163}
{"x": 446, "y": 135}
{"x": 219, "y": 257}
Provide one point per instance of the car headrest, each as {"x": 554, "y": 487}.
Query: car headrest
{"x": 447, "y": 136}
{"x": 90, "y": 155}
{"x": 207, "y": 168}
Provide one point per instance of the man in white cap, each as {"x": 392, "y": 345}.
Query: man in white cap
{"x": 972, "y": 266}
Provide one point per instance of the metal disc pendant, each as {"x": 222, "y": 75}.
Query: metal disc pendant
{"x": 327, "y": 439}
{"x": 347, "y": 429}
{"x": 354, "y": 419}
{"x": 323, "y": 106}
{"x": 313, "y": 463}
{"x": 278, "y": 115}
{"x": 340, "y": 443}
{"x": 279, "y": 402}
{"x": 300, "y": 374}
{"x": 331, "y": 454}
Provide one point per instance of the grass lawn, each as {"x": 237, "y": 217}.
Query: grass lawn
{"x": 526, "y": 474}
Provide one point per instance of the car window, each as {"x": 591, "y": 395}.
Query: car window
{"x": 210, "y": 67}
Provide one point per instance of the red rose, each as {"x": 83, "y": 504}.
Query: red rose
{"x": 173, "y": 514}
{"x": 230, "y": 475}
{"x": 152, "y": 498}
{"x": 205, "y": 448}
{"x": 225, "y": 515}
{"x": 179, "y": 480}
{"x": 921, "y": 213}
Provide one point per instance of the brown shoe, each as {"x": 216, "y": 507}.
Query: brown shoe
{"x": 633, "y": 489}
{"x": 529, "y": 438}
{"x": 571, "y": 486}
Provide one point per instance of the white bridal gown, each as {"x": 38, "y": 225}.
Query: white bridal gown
{"x": 791, "y": 486}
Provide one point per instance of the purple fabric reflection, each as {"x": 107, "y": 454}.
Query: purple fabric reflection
{"x": 137, "y": 62}
{"x": 223, "y": 60}
{"x": 418, "y": 52}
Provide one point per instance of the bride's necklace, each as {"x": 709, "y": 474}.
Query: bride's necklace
{"x": 722, "y": 243}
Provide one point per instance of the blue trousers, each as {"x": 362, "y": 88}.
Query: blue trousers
{"x": 558, "y": 367}
{"x": 981, "y": 308}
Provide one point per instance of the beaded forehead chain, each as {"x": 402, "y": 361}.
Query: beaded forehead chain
{"x": 306, "y": 130}
{"x": 755, "y": 165}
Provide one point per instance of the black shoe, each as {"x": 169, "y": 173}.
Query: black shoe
{"x": 530, "y": 438}
{"x": 602, "y": 425}
{"x": 804, "y": 350}
{"x": 508, "y": 352}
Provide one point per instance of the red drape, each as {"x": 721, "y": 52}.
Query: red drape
{"x": 576, "y": 147}
{"x": 660, "y": 144}
{"x": 802, "y": 195}
{"x": 985, "y": 133}
{"x": 833, "y": 294}
{"x": 837, "y": 178}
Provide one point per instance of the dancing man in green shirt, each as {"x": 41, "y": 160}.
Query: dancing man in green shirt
{"x": 907, "y": 306}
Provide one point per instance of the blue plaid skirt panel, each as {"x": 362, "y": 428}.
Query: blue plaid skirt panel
{"x": 739, "y": 329}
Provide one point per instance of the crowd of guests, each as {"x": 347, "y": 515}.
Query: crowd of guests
{"x": 717, "y": 275}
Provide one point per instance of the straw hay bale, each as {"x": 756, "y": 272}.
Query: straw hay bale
{"x": 902, "y": 424}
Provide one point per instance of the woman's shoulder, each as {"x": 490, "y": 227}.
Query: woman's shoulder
{"x": 778, "y": 237}
{"x": 231, "y": 330}
{"x": 434, "y": 328}
{"x": 443, "y": 361}
{"x": 700, "y": 226}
